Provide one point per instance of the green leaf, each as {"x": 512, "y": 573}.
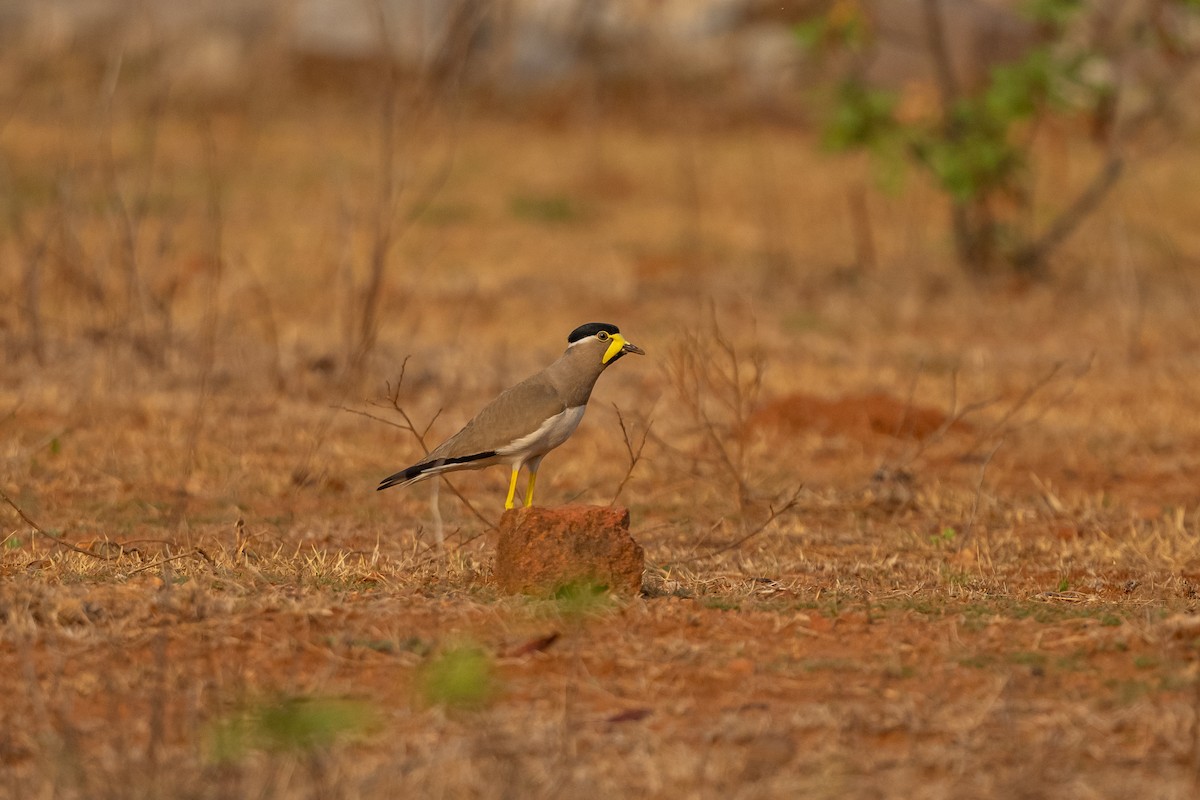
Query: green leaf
{"x": 847, "y": 29}
{"x": 1055, "y": 13}
{"x": 1018, "y": 90}
{"x": 861, "y": 117}
{"x": 460, "y": 677}
{"x": 292, "y": 724}
{"x": 811, "y": 33}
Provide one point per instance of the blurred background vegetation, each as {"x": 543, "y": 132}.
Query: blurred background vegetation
{"x": 177, "y": 175}
{"x": 917, "y": 280}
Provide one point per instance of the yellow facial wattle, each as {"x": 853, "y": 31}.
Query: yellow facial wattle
{"x": 618, "y": 344}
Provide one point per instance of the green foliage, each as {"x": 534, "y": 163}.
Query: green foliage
{"x": 811, "y": 33}
{"x": 1146, "y": 662}
{"x": 972, "y": 151}
{"x": 977, "y": 145}
{"x": 1020, "y": 90}
{"x": 976, "y": 161}
{"x": 292, "y": 724}
{"x": 459, "y": 677}
{"x": 579, "y": 599}
{"x": 861, "y": 117}
{"x": 842, "y": 30}
{"x": 1055, "y": 13}
{"x": 721, "y": 604}
{"x": 550, "y": 209}
{"x": 864, "y": 118}
{"x": 945, "y": 536}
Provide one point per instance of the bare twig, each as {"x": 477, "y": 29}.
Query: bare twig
{"x": 394, "y": 403}
{"x": 954, "y": 416}
{"x": 130, "y": 209}
{"x": 773, "y": 514}
{"x": 387, "y": 225}
{"x": 717, "y": 388}
{"x": 393, "y": 396}
{"x": 211, "y": 321}
{"x": 634, "y": 454}
{"x": 34, "y": 246}
{"x": 1002, "y": 425}
{"x": 163, "y": 561}
{"x": 57, "y": 540}
{"x": 909, "y": 400}
{"x": 383, "y": 234}
{"x": 979, "y": 487}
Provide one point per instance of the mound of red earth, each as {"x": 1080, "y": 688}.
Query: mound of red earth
{"x": 543, "y": 549}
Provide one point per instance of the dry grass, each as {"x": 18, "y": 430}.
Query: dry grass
{"x": 839, "y": 601}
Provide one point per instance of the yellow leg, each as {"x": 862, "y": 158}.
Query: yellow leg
{"x": 529, "y": 492}
{"x": 512, "y": 488}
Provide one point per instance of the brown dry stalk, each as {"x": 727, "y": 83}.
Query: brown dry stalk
{"x": 1001, "y": 427}
{"x": 393, "y": 396}
{"x": 634, "y": 454}
{"x": 979, "y": 488}
{"x": 717, "y": 387}
{"x": 388, "y": 224}
{"x": 57, "y": 540}
{"x": 773, "y": 514}
{"x": 169, "y": 559}
{"x": 209, "y": 326}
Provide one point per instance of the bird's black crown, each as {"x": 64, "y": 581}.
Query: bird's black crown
{"x": 591, "y": 329}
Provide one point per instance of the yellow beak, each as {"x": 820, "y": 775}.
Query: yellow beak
{"x": 620, "y": 347}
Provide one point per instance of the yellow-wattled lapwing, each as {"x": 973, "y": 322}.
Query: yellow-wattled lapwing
{"x": 530, "y": 419}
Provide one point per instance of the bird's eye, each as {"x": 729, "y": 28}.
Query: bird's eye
{"x": 602, "y": 336}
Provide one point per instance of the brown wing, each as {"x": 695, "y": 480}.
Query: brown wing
{"x": 517, "y": 412}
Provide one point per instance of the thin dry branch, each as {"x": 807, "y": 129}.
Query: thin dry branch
{"x": 210, "y": 323}
{"x": 979, "y": 488}
{"x": 394, "y": 402}
{"x": 169, "y": 559}
{"x": 409, "y": 427}
{"x": 1001, "y": 428}
{"x": 717, "y": 388}
{"x": 38, "y": 528}
{"x": 388, "y": 225}
{"x": 773, "y": 514}
{"x": 129, "y": 210}
{"x": 634, "y": 454}
{"x": 1002, "y": 425}
{"x": 34, "y": 246}
{"x": 393, "y": 396}
{"x": 954, "y": 416}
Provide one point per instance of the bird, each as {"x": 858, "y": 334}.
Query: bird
{"x": 528, "y": 420}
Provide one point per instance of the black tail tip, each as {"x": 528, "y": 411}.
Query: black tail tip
{"x": 403, "y": 476}
{"x": 389, "y": 482}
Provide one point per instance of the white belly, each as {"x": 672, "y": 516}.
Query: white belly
{"x": 553, "y": 432}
